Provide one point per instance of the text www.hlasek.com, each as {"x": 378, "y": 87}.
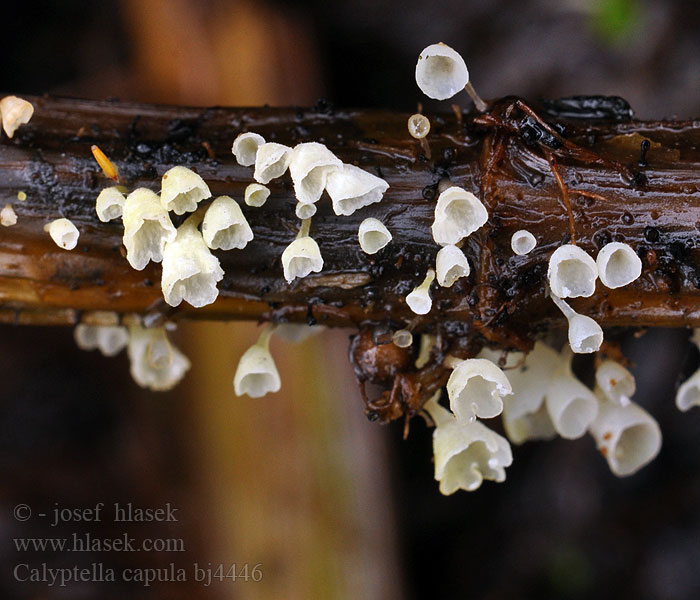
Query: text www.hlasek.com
{"x": 85, "y": 542}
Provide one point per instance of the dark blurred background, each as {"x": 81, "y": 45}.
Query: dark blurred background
{"x": 330, "y": 505}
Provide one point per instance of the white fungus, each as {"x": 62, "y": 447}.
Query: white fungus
{"x": 302, "y": 256}
{"x": 271, "y": 161}
{"x": 572, "y": 272}
{"x": 14, "y": 112}
{"x": 458, "y": 214}
{"x": 182, "y": 189}
{"x": 418, "y": 126}
{"x": 373, "y": 235}
{"x": 256, "y": 195}
{"x": 419, "y": 300}
{"x": 154, "y": 362}
{"x": 441, "y": 72}
{"x": 8, "y": 216}
{"x": 522, "y": 242}
{"x": 147, "y": 228}
{"x": 627, "y": 436}
{"x": 615, "y": 382}
{"x": 618, "y": 265}
{"x": 352, "y": 188}
{"x": 256, "y": 374}
{"x": 688, "y": 394}
{"x": 109, "y": 204}
{"x": 190, "y": 270}
{"x": 402, "y": 338}
{"x": 109, "y": 339}
{"x": 476, "y": 388}
{"x": 450, "y": 265}
{"x": 466, "y": 453}
{"x": 224, "y": 225}
{"x": 245, "y": 147}
{"x": 585, "y": 335}
{"x": 64, "y": 233}
{"x": 570, "y": 404}
{"x": 310, "y": 165}
{"x": 304, "y": 211}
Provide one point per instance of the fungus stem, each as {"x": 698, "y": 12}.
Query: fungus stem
{"x": 480, "y": 105}
{"x": 304, "y": 229}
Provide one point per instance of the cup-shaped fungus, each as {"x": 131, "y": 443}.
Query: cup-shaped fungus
{"x": 351, "y": 188}
{"x": 572, "y": 272}
{"x": 302, "y": 256}
{"x": 147, "y": 228}
{"x": 109, "y": 339}
{"x": 522, "y": 242}
{"x": 616, "y": 382}
{"x": 256, "y": 374}
{"x": 585, "y": 335}
{"x": 688, "y": 394}
{"x": 618, "y": 265}
{"x": 418, "y": 126}
{"x": 256, "y": 195}
{"x": 15, "y": 112}
{"x": 109, "y": 204}
{"x": 190, "y": 270}
{"x": 441, "y": 72}
{"x": 627, "y": 436}
{"x": 304, "y": 211}
{"x": 310, "y": 165}
{"x": 466, "y": 453}
{"x": 402, "y": 338}
{"x": 476, "y": 388}
{"x": 8, "y": 216}
{"x": 271, "y": 161}
{"x": 150, "y": 367}
{"x": 182, "y": 189}
{"x": 373, "y": 235}
{"x": 572, "y": 407}
{"x": 450, "y": 265}
{"x": 64, "y": 233}
{"x": 224, "y": 225}
{"x": 245, "y": 147}
{"x": 458, "y": 214}
{"x": 419, "y": 300}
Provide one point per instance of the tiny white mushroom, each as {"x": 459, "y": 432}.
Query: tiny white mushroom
{"x": 256, "y": 195}
{"x": 109, "y": 204}
{"x": 618, "y": 265}
{"x": 418, "y": 126}
{"x": 585, "y": 335}
{"x": 147, "y": 228}
{"x": 616, "y": 382}
{"x": 522, "y": 242}
{"x": 271, "y": 161}
{"x": 419, "y": 300}
{"x": 458, "y": 214}
{"x": 402, "y": 338}
{"x": 441, "y": 72}
{"x": 15, "y": 112}
{"x": 245, "y": 147}
{"x": 224, "y": 226}
{"x": 109, "y": 339}
{"x": 64, "y": 233}
{"x": 572, "y": 407}
{"x": 310, "y": 165}
{"x": 476, "y": 388}
{"x": 572, "y": 272}
{"x": 688, "y": 394}
{"x": 8, "y": 216}
{"x": 450, "y": 265}
{"x": 352, "y": 188}
{"x": 627, "y": 436}
{"x": 302, "y": 256}
{"x": 155, "y": 363}
{"x": 256, "y": 374}
{"x": 304, "y": 211}
{"x": 190, "y": 270}
{"x": 182, "y": 189}
{"x": 373, "y": 235}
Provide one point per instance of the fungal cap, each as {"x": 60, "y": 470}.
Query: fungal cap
{"x": 618, "y": 265}
{"x": 64, "y": 233}
{"x": 271, "y": 161}
{"x": 572, "y": 272}
{"x": 310, "y": 165}
{"x": 304, "y": 211}
{"x": 182, "y": 189}
{"x": 300, "y": 258}
{"x": 224, "y": 225}
{"x": 531, "y": 426}
{"x": 155, "y": 362}
{"x": 441, "y": 72}
{"x": 402, "y": 338}
{"x": 522, "y": 242}
{"x": 8, "y": 216}
{"x": 450, "y": 265}
{"x": 15, "y": 112}
{"x": 256, "y": 374}
{"x": 190, "y": 270}
{"x": 256, "y": 195}
{"x": 418, "y": 126}
{"x": 628, "y": 436}
{"x": 615, "y": 382}
{"x": 147, "y": 228}
{"x": 458, "y": 214}
{"x": 352, "y": 188}
{"x": 109, "y": 339}
{"x": 688, "y": 394}
{"x": 419, "y": 300}
{"x": 476, "y": 388}
{"x": 572, "y": 407}
{"x": 373, "y": 235}
{"x": 109, "y": 204}
{"x": 585, "y": 335}
{"x": 245, "y": 147}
